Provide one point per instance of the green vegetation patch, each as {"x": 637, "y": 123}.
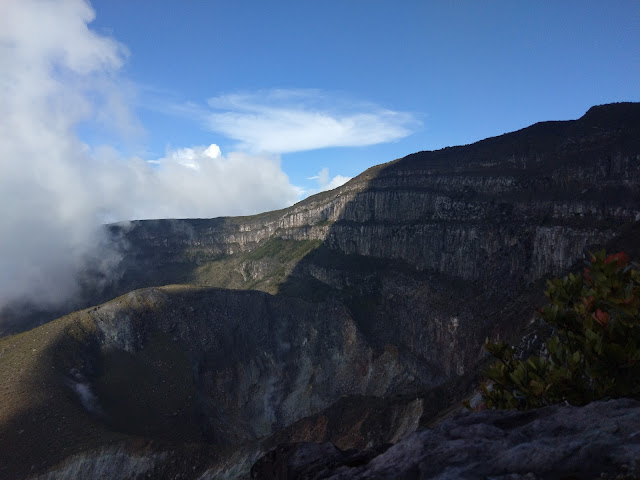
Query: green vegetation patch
{"x": 41, "y": 417}
{"x": 594, "y": 352}
{"x": 264, "y": 268}
{"x": 285, "y": 251}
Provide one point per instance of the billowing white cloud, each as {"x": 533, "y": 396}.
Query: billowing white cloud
{"x": 55, "y": 73}
{"x": 198, "y": 182}
{"x": 281, "y": 121}
{"x": 327, "y": 183}
{"x": 55, "y": 191}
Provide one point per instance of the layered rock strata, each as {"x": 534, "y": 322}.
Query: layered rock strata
{"x": 384, "y": 288}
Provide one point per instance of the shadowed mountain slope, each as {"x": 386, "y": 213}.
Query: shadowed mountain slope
{"x": 376, "y": 301}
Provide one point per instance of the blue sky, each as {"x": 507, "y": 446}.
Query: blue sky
{"x": 117, "y": 110}
{"x": 461, "y": 71}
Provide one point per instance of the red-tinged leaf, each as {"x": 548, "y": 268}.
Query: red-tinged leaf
{"x": 588, "y": 302}
{"x": 620, "y": 258}
{"x": 628, "y": 301}
{"x": 601, "y": 317}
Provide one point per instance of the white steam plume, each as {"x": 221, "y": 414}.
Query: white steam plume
{"x": 55, "y": 191}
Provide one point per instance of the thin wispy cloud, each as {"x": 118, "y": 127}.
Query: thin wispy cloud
{"x": 292, "y": 120}
{"x": 57, "y": 74}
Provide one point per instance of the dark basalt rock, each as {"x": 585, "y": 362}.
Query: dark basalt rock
{"x": 379, "y": 297}
{"x": 310, "y": 460}
{"x": 600, "y": 440}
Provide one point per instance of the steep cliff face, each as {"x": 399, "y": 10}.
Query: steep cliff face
{"x": 424, "y": 251}
{"x": 258, "y": 362}
{"x": 380, "y": 295}
{"x": 455, "y": 211}
{"x": 182, "y": 364}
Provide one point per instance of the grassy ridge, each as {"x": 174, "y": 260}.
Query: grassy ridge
{"x": 41, "y": 418}
{"x": 264, "y": 268}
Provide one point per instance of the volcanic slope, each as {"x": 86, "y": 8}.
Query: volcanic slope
{"x": 376, "y": 300}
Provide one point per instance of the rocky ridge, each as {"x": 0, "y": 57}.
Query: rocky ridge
{"x": 600, "y": 440}
{"x": 485, "y": 221}
{"x": 380, "y": 296}
{"x": 454, "y": 210}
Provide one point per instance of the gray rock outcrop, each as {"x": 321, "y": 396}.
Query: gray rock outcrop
{"x": 600, "y": 440}
{"x": 379, "y": 297}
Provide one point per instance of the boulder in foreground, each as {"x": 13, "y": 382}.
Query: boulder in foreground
{"x": 599, "y": 440}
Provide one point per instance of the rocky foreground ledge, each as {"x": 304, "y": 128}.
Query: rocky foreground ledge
{"x": 600, "y": 440}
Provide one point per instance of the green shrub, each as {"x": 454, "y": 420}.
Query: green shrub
{"x": 593, "y": 352}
